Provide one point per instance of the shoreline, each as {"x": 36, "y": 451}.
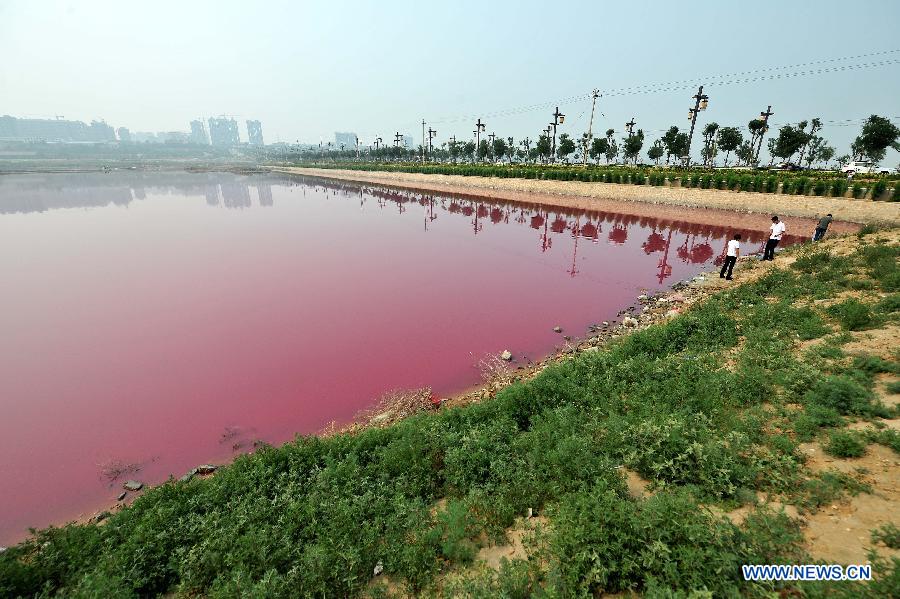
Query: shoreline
{"x": 749, "y": 209}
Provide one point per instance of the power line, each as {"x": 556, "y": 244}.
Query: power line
{"x": 740, "y": 77}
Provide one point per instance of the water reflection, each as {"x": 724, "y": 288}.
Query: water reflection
{"x": 40, "y": 193}
{"x": 696, "y": 248}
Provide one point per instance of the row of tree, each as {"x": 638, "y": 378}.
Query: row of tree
{"x": 799, "y": 144}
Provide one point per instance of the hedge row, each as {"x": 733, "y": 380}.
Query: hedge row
{"x": 833, "y": 186}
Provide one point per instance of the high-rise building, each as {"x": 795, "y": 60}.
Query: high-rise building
{"x": 198, "y": 133}
{"x": 348, "y": 139}
{"x": 409, "y": 141}
{"x": 223, "y": 131}
{"x": 254, "y": 133}
{"x": 124, "y": 134}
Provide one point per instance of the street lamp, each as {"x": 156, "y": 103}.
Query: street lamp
{"x": 702, "y": 101}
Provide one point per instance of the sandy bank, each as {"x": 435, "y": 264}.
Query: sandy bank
{"x": 730, "y": 207}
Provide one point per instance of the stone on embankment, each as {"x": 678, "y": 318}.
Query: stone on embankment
{"x": 121, "y": 495}
{"x": 557, "y": 329}
{"x": 133, "y": 485}
{"x": 206, "y": 469}
{"x": 506, "y": 355}
{"x": 628, "y": 321}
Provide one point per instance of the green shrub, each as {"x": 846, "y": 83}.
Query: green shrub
{"x": 842, "y": 394}
{"x": 878, "y": 189}
{"x": 838, "y": 188}
{"x": 852, "y": 314}
{"x": 772, "y": 185}
{"x": 893, "y": 387}
{"x": 801, "y": 186}
{"x": 858, "y": 190}
{"x": 820, "y": 187}
{"x": 845, "y": 444}
{"x": 888, "y": 534}
{"x": 826, "y": 488}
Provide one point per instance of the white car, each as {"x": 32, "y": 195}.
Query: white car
{"x": 864, "y": 167}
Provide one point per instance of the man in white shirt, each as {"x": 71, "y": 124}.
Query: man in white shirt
{"x": 731, "y": 256}
{"x": 775, "y": 232}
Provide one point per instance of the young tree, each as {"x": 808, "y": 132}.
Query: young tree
{"x": 469, "y": 150}
{"x": 818, "y": 149}
{"x": 544, "y": 147}
{"x": 566, "y": 147}
{"x": 534, "y": 153}
{"x": 656, "y": 151}
{"x": 770, "y": 145}
{"x": 744, "y": 153}
{"x": 816, "y": 124}
{"x": 483, "y": 150}
{"x": 878, "y": 134}
{"x": 729, "y": 139}
{"x": 499, "y": 148}
{"x": 455, "y": 150}
{"x": 632, "y": 145}
{"x": 757, "y": 128}
{"x": 599, "y": 146}
{"x": 510, "y": 148}
{"x": 612, "y": 150}
{"x": 709, "y": 143}
{"x": 790, "y": 140}
{"x": 842, "y": 160}
{"x": 670, "y": 142}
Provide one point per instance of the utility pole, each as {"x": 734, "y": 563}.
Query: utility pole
{"x": 423, "y": 141}
{"x": 397, "y": 139}
{"x": 629, "y": 126}
{"x": 764, "y": 117}
{"x": 701, "y": 103}
{"x": 357, "y": 146}
{"x": 558, "y": 119}
{"x": 584, "y": 151}
{"x": 479, "y": 127}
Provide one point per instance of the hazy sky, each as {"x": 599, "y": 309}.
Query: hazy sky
{"x": 307, "y": 69}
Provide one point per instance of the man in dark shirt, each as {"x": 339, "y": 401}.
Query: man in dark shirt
{"x": 822, "y": 227}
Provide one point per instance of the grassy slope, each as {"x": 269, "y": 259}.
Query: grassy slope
{"x": 710, "y": 407}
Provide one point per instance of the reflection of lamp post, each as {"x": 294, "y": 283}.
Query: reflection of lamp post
{"x": 701, "y": 104}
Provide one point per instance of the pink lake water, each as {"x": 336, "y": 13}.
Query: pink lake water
{"x": 169, "y": 319}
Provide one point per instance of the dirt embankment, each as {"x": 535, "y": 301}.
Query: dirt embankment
{"x": 729, "y": 208}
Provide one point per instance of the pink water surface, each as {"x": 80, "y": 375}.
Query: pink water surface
{"x": 170, "y": 319}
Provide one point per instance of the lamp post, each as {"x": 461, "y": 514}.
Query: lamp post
{"x": 558, "y": 119}
{"x": 479, "y": 127}
{"x": 702, "y": 101}
{"x": 764, "y": 117}
{"x": 431, "y": 135}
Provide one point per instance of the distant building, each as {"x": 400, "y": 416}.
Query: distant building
{"x": 144, "y": 137}
{"x": 58, "y": 130}
{"x": 124, "y": 134}
{"x": 348, "y": 139}
{"x": 254, "y": 133}
{"x": 174, "y": 137}
{"x": 409, "y": 141}
{"x": 223, "y": 132}
{"x": 198, "y": 133}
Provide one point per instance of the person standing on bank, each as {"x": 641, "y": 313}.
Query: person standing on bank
{"x": 822, "y": 227}
{"x": 775, "y": 232}
{"x": 731, "y": 256}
